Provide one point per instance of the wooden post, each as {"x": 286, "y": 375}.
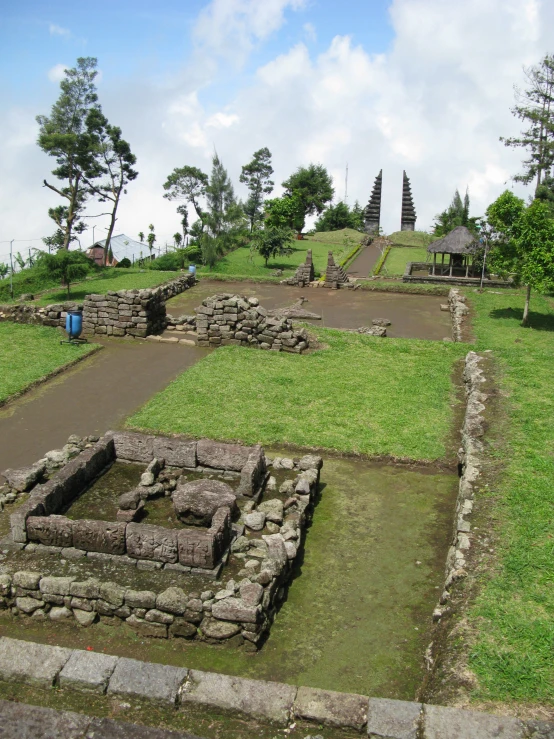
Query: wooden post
{"x": 434, "y": 262}
{"x": 442, "y": 264}
{"x": 467, "y": 266}
{"x": 451, "y": 266}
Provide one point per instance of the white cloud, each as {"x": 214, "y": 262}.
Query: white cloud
{"x": 310, "y": 32}
{"x": 57, "y": 72}
{"x": 56, "y": 30}
{"x": 434, "y": 104}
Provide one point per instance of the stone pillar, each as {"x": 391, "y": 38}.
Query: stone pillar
{"x": 408, "y": 214}
{"x": 372, "y": 212}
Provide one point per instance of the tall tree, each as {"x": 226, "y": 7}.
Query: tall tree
{"x": 141, "y": 236}
{"x": 177, "y": 239}
{"x": 535, "y": 107}
{"x": 314, "y": 188}
{"x": 69, "y": 135}
{"x": 182, "y": 210}
{"x": 116, "y": 162}
{"x": 257, "y": 177}
{"x": 272, "y": 242}
{"x": 151, "y": 239}
{"x": 220, "y": 196}
{"x": 457, "y": 214}
{"x": 188, "y": 184}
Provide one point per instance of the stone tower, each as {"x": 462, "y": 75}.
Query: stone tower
{"x": 372, "y": 212}
{"x": 408, "y": 216}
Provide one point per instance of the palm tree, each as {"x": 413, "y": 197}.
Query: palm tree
{"x": 141, "y": 236}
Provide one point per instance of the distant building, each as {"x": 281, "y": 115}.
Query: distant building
{"x": 121, "y": 246}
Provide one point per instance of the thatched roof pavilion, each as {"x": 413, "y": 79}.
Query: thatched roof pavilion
{"x": 461, "y": 245}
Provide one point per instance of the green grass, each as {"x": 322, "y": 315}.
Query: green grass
{"x": 110, "y": 279}
{"x": 362, "y": 394}
{"x": 514, "y": 614}
{"x": 240, "y": 263}
{"x": 395, "y": 264}
{"x": 411, "y": 238}
{"x": 29, "y": 353}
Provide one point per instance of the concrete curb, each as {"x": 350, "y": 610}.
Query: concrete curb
{"x": 277, "y": 703}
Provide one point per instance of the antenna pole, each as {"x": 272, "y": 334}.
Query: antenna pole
{"x": 346, "y": 186}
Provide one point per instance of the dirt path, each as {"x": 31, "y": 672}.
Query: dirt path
{"x": 96, "y": 395}
{"x": 364, "y": 262}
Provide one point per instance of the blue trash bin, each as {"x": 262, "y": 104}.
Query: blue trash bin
{"x": 74, "y": 324}
{"x": 192, "y": 269}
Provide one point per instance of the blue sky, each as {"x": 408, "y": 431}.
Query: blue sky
{"x": 421, "y": 85}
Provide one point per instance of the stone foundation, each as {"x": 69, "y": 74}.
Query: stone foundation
{"x": 227, "y": 319}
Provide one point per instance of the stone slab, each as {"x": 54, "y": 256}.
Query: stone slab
{"x": 20, "y": 721}
{"x": 105, "y": 728}
{"x": 257, "y": 698}
{"x": 331, "y": 708}
{"x": 99, "y": 536}
{"x": 89, "y": 671}
{"x": 30, "y": 662}
{"x": 157, "y": 543}
{"x": 176, "y": 452}
{"x": 133, "y": 447}
{"x": 222, "y": 456}
{"x": 148, "y": 680}
{"x": 454, "y": 723}
{"x": 392, "y": 719}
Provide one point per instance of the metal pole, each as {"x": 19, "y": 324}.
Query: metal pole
{"x": 93, "y": 234}
{"x": 11, "y": 268}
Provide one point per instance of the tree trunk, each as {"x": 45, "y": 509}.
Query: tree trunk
{"x": 111, "y": 228}
{"x": 71, "y": 212}
{"x": 525, "y": 320}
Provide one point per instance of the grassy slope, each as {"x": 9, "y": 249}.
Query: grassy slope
{"x": 238, "y": 262}
{"x": 395, "y": 263}
{"x": 362, "y": 394}
{"x": 514, "y": 615}
{"x": 112, "y": 279}
{"x": 29, "y": 353}
{"x": 411, "y": 238}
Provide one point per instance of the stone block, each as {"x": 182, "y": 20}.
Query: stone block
{"x": 25, "y": 579}
{"x": 393, "y": 719}
{"x": 235, "y": 609}
{"x": 172, "y": 600}
{"x": 133, "y": 447}
{"x": 24, "y": 478}
{"x": 156, "y": 543}
{"x": 252, "y": 473}
{"x": 140, "y": 599}
{"x": 176, "y": 452}
{"x": 28, "y": 605}
{"x": 56, "y": 585}
{"x": 441, "y": 722}
{"x": 72, "y": 479}
{"x": 196, "y": 502}
{"x": 51, "y": 495}
{"x": 222, "y": 456}
{"x": 104, "y": 728}
{"x": 18, "y": 520}
{"x": 196, "y": 548}
{"x": 21, "y": 721}
{"x": 331, "y": 708}
{"x": 160, "y": 683}
{"x": 52, "y": 531}
{"x": 99, "y": 536}
{"x": 88, "y": 671}
{"x": 257, "y": 698}
{"x": 30, "y": 662}
{"x": 97, "y": 457}
{"x": 112, "y": 594}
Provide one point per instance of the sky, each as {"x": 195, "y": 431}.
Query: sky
{"x": 424, "y": 86}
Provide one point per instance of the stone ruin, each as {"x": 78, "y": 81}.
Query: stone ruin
{"x": 253, "y": 530}
{"x": 304, "y": 273}
{"x": 335, "y": 274}
{"x": 235, "y": 320}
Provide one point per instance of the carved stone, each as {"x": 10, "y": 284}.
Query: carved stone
{"x": 99, "y": 536}
{"x": 151, "y": 542}
{"x": 196, "y": 548}
{"x": 176, "y": 452}
{"x": 53, "y": 531}
{"x": 221, "y": 456}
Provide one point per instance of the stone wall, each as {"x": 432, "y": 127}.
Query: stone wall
{"x": 132, "y": 312}
{"x": 50, "y": 315}
{"x": 227, "y": 319}
{"x": 458, "y": 313}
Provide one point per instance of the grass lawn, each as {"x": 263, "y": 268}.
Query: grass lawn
{"x": 111, "y": 279}
{"x": 362, "y": 394}
{"x": 241, "y": 263}
{"x": 395, "y": 263}
{"x": 514, "y": 614}
{"x": 29, "y": 353}
{"x": 411, "y": 238}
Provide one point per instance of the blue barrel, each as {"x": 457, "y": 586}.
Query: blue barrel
{"x": 192, "y": 269}
{"x": 74, "y": 323}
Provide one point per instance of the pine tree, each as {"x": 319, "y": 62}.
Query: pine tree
{"x": 257, "y": 177}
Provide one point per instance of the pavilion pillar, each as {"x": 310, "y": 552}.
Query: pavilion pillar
{"x": 442, "y": 264}
{"x": 451, "y": 265}
{"x": 467, "y": 265}
{"x": 434, "y": 262}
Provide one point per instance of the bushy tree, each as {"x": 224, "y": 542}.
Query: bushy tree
{"x": 182, "y": 210}
{"x": 257, "y": 177}
{"x": 523, "y": 244}
{"x": 457, "y": 214}
{"x": 285, "y": 212}
{"x": 272, "y": 242}
{"x": 151, "y": 239}
{"x": 188, "y": 184}
{"x": 339, "y": 216}
{"x": 313, "y": 186}
{"x": 66, "y": 266}
{"x": 69, "y": 135}
{"x": 4, "y": 270}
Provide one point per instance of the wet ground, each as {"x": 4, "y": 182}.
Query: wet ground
{"x": 411, "y": 316}
{"x": 358, "y": 613}
{"x": 94, "y": 396}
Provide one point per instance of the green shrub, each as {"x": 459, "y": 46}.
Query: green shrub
{"x": 170, "y": 262}
{"x": 125, "y": 263}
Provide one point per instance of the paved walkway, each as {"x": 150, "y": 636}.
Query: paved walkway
{"x": 364, "y": 262}
{"x": 92, "y": 397}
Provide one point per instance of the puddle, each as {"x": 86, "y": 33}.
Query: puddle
{"x": 412, "y": 316}
{"x": 358, "y": 613}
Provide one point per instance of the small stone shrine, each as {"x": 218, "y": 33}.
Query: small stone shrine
{"x": 304, "y": 272}
{"x": 335, "y": 274}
